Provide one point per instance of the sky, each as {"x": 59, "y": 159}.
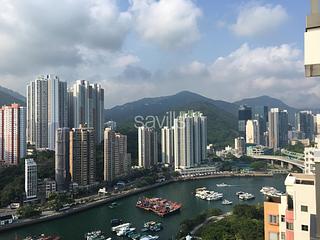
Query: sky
{"x": 227, "y": 50}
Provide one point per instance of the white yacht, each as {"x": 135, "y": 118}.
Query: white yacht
{"x": 222, "y": 185}
{"x": 226, "y": 202}
{"x": 121, "y": 226}
{"x": 246, "y": 196}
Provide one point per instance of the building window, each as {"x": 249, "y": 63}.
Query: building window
{"x": 273, "y": 219}
{"x": 273, "y": 236}
{"x": 283, "y": 236}
{"x": 304, "y": 208}
{"x": 283, "y": 218}
{"x": 289, "y": 226}
{"x": 304, "y": 227}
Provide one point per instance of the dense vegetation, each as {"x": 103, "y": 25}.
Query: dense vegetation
{"x": 187, "y": 225}
{"x": 29, "y": 211}
{"x": 298, "y": 147}
{"x": 246, "y": 222}
{"x": 12, "y": 178}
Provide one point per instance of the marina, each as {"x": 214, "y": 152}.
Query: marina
{"x": 100, "y": 218}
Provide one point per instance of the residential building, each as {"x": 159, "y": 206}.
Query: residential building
{"x": 311, "y": 156}
{"x": 305, "y": 124}
{"x": 167, "y": 145}
{"x": 292, "y": 215}
{"x": 190, "y": 139}
{"x": 260, "y": 113}
{"x": 244, "y": 114}
{"x": 258, "y": 150}
{"x": 46, "y": 187}
{"x": 147, "y": 147}
{"x": 62, "y": 156}
{"x": 253, "y": 132}
{"x": 317, "y": 124}
{"x": 57, "y": 108}
{"x": 47, "y": 110}
{"x": 12, "y": 134}
{"x": 83, "y": 155}
{"x": 111, "y": 124}
{"x": 37, "y": 112}
{"x": 31, "y": 179}
{"x": 278, "y": 128}
{"x": 86, "y": 102}
{"x": 240, "y": 145}
{"x": 117, "y": 161}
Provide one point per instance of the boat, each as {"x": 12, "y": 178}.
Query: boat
{"x": 125, "y": 231}
{"x": 201, "y": 189}
{"x": 42, "y": 237}
{"x": 115, "y": 222}
{"x": 214, "y": 196}
{"x": 270, "y": 191}
{"x": 222, "y": 185}
{"x": 95, "y": 235}
{"x": 149, "y": 237}
{"x": 226, "y": 202}
{"x": 161, "y": 207}
{"x": 113, "y": 205}
{"x": 134, "y": 235}
{"x": 239, "y": 193}
{"x": 246, "y": 196}
{"x": 119, "y": 227}
{"x": 205, "y": 194}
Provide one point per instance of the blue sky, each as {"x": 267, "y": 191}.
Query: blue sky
{"x": 227, "y": 50}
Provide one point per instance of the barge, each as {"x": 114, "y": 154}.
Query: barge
{"x": 161, "y": 207}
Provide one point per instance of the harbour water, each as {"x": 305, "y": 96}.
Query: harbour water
{"x": 74, "y": 227}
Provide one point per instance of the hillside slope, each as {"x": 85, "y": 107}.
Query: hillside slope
{"x": 222, "y": 123}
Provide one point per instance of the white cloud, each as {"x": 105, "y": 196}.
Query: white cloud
{"x": 246, "y": 72}
{"x": 169, "y": 23}
{"x": 256, "y": 20}
{"x": 125, "y": 60}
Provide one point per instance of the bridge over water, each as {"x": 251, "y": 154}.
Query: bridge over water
{"x": 282, "y": 159}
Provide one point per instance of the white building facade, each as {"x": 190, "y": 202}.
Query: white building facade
{"x": 253, "y": 132}
{"x": 31, "y": 179}
{"x": 47, "y": 110}
{"x": 167, "y": 145}
{"x": 190, "y": 139}
{"x": 86, "y": 104}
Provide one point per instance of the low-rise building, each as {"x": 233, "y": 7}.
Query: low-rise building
{"x": 198, "y": 171}
{"x": 258, "y": 150}
{"x": 47, "y": 187}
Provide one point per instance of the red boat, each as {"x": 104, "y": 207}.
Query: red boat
{"x": 161, "y": 207}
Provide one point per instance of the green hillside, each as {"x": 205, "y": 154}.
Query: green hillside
{"x": 222, "y": 125}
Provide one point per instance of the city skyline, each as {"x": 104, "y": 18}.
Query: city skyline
{"x": 122, "y": 59}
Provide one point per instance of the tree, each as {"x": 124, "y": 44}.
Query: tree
{"x": 28, "y": 211}
{"x": 259, "y": 166}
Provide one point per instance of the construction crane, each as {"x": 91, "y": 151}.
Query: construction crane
{"x": 312, "y": 42}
